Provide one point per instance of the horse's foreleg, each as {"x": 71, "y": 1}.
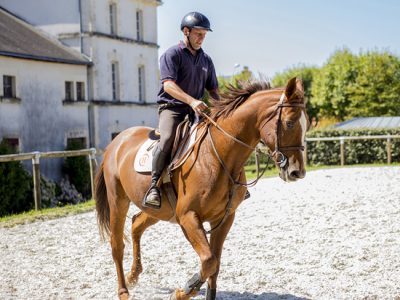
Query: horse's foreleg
{"x": 140, "y": 222}
{"x": 117, "y": 222}
{"x": 195, "y": 234}
{"x": 217, "y": 240}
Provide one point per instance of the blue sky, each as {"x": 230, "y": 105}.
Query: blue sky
{"x": 270, "y": 36}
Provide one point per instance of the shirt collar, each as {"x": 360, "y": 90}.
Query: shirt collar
{"x": 183, "y": 46}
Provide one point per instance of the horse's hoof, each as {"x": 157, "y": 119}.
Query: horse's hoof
{"x": 131, "y": 280}
{"x": 123, "y": 294}
{"x": 173, "y": 296}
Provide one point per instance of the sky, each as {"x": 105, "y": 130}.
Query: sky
{"x": 271, "y": 36}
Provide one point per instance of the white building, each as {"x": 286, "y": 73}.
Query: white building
{"x": 109, "y": 83}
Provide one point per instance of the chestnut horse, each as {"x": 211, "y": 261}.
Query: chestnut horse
{"x": 210, "y": 184}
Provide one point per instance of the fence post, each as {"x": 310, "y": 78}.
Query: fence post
{"x": 389, "y": 150}
{"x": 36, "y": 180}
{"x": 305, "y": 154}
{"x": 341, "y": 151}
{"x": 92, "y": 162}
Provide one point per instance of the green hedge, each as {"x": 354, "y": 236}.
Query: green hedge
{"x": 356, "y": 151}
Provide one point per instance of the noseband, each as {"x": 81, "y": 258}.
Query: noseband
{"x": 281, "y": 159}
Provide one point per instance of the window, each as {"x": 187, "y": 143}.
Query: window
{"x": 76, "y": 143}
{"x": 115, "y": 81}
{"x": 113, "y": 18}
{"x": 142, "y": 94}
{"x": 80, "y": 91}
{"x": 113, "y": 135}
{"x": 13, "y": 143}
{"x": 139, "y": 25}
{"x": 69, "y": 90}
{"x": 9, "y": 86}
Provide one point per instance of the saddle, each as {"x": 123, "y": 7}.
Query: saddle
{"x": 186, "y": 137}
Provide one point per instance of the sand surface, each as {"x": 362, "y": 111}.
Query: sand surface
{"x": 333, "y": 235}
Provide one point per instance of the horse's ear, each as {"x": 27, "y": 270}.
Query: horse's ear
{"x": 290, "y": 88}
{"x": 294, "y": 85}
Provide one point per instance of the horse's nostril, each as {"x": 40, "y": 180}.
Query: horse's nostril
{"x": 295, "y": 174}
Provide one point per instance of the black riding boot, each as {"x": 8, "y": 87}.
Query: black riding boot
{"x": 153, "y": 196}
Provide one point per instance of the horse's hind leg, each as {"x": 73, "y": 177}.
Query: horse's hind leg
{"x": 118, "y": 213}
{"x": 140, "y": 222}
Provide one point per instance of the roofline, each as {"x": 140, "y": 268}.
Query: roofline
{"x": 44, "y": 58}
{"x": 50, "y": 38}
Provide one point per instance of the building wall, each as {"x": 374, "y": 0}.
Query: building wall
{"x": 40, "y": 118}
{"x": 84, "y": 25}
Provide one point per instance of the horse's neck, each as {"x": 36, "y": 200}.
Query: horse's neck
{"x": 243, "y": 125}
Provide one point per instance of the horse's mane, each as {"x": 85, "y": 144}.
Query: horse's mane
{"x": 236, "y": 96}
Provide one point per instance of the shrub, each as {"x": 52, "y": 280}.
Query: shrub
{"x": 69, "y": 194}
{"x": 48, "y": 192}
{"x": 356, "y": 151}
{"x": 77, "y": 170}
{"x": 16, "y": 185}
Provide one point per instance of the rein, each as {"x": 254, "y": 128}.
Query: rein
{"x": 282, "y": 158}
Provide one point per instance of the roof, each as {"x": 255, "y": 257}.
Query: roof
{"x": 370, "y": 122}
{"x": 22, "y": 40}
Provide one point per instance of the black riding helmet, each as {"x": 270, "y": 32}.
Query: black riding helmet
{"x": 195, "y": 20}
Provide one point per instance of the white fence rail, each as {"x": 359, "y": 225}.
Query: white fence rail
{"x": 35, "y": 157}
{"x": 342, "y": 140}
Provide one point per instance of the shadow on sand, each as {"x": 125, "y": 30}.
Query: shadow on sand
{"x": 164, "y": 293}
{"x": 222, "y": 295}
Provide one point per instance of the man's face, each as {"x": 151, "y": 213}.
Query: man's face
{"x": 196, "y": 37}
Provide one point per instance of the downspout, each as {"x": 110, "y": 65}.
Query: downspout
{"x": 88, "y": 80}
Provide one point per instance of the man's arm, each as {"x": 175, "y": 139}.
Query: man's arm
{"x": 175, "y": 91}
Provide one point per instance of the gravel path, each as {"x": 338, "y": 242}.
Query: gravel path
{"x": 333, "y": 235}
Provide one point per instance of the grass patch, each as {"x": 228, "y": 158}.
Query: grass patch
{"x": 46, "y": 214}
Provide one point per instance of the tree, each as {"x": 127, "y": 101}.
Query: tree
{"x": 330, "y": 88}
{"x": 376, "y": 90}
{"x": 351, "y": 85}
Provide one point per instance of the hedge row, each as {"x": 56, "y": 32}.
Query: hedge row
{"x": 355, "y": 151}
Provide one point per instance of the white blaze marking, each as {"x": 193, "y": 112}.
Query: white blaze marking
{"x": 303, "y": 123}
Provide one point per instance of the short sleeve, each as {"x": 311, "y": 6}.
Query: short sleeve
{"x": 169, "y": 65}
{"x": 212, "y": 81}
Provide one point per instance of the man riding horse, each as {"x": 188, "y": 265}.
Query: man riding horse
{"x": 185, "y": 72}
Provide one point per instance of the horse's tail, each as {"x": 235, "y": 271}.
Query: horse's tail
{"x": 102, "y": 205}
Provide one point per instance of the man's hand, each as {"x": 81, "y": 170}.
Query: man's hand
{"x": 199, "y": 107}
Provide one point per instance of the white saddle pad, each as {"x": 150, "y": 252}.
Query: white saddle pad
{"x": 144, "y": 157}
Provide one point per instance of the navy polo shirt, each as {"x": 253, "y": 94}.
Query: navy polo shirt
{"x": 192, "y": 73}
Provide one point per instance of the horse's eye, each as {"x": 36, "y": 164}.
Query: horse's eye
{"x": 289, "y": 124}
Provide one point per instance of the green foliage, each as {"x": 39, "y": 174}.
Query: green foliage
{"x": 15, "y": 185}
{"x": 306, "y": 74}
{"x": 77, "y": 170}
{"x": 351, "y": 85}
{"x": 224, "y": 82}
{"x": 356, "y": 151}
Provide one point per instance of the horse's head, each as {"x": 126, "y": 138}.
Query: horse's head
{"x": 284, "y": 131}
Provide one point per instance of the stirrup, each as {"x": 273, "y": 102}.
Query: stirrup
{"x": 152, "y": 203}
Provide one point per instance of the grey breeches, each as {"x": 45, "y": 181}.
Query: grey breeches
{"x": 170, "y": 118}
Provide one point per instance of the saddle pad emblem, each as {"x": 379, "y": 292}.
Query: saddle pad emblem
{"x": 144, "y": 157}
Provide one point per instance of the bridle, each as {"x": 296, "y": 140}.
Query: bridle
{"x": 282, "y": 162}
{"x": 281, "y": 159}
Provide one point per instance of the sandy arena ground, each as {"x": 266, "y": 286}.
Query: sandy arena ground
{"x": 333, "y": 235}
